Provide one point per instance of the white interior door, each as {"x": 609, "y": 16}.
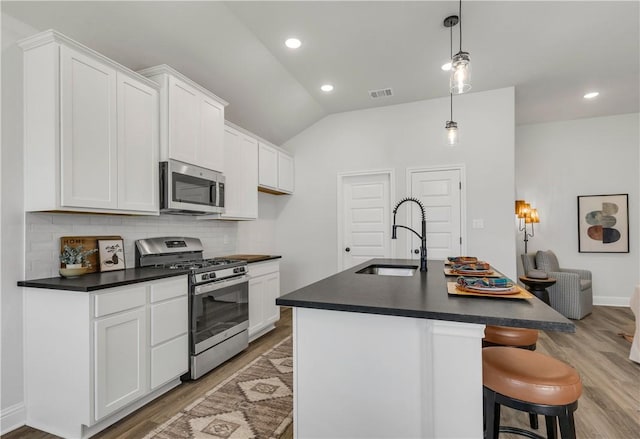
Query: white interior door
{"x": 364, "y": 218}
{"x": 440, "y": 191}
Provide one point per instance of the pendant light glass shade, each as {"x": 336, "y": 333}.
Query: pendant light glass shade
{"x": 452, "y": 133}
{"x": 460, "y": 79}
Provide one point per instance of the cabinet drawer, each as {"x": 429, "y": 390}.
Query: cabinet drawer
{"x": 262, "y": 268}
{"x": 169, "y": 319}
{"x": 166, "y": 289}
{"x": 169, "y": 360}
{"x": 128, "y": 298}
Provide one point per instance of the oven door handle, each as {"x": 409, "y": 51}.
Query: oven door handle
{"x": 207, "y": 288}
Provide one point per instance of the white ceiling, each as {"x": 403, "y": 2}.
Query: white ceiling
{"x": 552, "y": 52}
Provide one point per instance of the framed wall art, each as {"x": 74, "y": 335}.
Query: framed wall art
{"x": 111, "y": 254}
{"x": 603, "y": 223}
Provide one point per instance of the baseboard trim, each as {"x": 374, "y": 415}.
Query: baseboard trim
{"x": 611, "y": 301}
{"x": 12, "y": 417}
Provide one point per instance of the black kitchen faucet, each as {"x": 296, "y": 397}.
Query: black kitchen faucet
{"x": 423, "y": 238}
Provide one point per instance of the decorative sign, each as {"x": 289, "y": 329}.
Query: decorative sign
{"x": 111, "y": 254}
{"x": 603, "y": 223}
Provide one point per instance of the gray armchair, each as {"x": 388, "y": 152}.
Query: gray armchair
{"x": 571, "y": 295}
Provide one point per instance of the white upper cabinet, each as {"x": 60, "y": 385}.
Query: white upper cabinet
{"x": 191, "y": 120}
{"x": 88, "y": 130}
{"x": 91, "y": 141}
{"x": 241, "y": 172}
{"x": 137, "y": 145}
{"x": 276, "y": 170}
{"x": 285, "y": 172}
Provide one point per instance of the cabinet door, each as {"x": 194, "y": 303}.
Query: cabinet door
{"x": 137, "y": 145}
{"x": 184, "y": 121}
{"x": 268, "y": 166}
{"x": 88, "y": 162}
{"x": 169, "y": 360}
{"x": 241, "y": 172}
{"x": 271, "y": 291}
{"x": 256, "y": 314}
{"x": 285, "y": 172}
{"x": 120, "y": 360}
{"x": 211, "y": 147}
{"x": 249, "y": 148}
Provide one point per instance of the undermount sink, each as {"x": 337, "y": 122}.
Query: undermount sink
{"x": 389, "y": 270}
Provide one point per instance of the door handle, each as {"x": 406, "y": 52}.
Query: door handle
{"x": 416, "y": 251}
{"x": 347, "y": 249}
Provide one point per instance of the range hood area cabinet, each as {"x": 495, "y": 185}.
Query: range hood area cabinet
{"x": 90, "y": 131}
{"x": 275, "y": 172}
{"x": 191, "y": 120}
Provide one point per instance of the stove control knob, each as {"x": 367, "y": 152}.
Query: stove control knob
{"x": 238, "y": 270}
{"x": 205, "y": 276}
{"x": 212, "y": 275}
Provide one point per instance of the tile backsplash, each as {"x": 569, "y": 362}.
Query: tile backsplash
{"x": 43, "y": 232}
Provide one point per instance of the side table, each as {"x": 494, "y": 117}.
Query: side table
{"x": 538, "y": 287}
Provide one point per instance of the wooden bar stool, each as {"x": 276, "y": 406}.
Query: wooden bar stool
{"x": 515, "y": 337}
{"x": 507, "y": 336}
{"x": 531, "y": 382}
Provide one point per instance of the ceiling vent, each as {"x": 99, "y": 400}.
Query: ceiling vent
{"x": 382, "y": 93}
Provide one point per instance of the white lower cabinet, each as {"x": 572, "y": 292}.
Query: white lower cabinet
{"x": 121, "y": 361}
{"x": 92, "y": 358}
{"x": 264, "y": 289}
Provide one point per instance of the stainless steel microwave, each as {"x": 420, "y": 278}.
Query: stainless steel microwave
{"x": 190, "y": 190}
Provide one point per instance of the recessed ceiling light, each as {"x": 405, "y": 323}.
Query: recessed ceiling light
{"x": 591, "y": 95}
{"x": 446, "y": 67}
{"x": 293, "y": 43}
{"x": 327, "y": 88}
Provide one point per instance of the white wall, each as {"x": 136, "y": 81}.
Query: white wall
{"x": 12, "y": 231}
{"x": 43, "y": 232}
{"x": 556, "y": 162}
{"x": 259, "y": 237}
{"x": 400, "y": 136}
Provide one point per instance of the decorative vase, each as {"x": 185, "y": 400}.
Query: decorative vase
{"x": 72, "y": 270}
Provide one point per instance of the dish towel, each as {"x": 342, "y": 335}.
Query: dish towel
{"x": 477, "y": 266}
{"x": 462, "y": 259}
{"x": 498, "y": 282}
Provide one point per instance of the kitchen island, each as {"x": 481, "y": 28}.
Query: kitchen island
{"x": 396, "y": 356}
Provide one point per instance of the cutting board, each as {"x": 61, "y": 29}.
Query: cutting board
{"x": 88, "y": 243}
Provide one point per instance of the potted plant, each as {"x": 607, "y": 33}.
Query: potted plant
{"x": 75, "y": 260}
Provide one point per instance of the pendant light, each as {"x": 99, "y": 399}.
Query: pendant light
{"x": 451, "y": 126}
{"x": 460, "y": 79}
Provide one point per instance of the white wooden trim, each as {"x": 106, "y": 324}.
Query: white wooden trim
{"x": 339, "y": 213}
{"x": 11, "y": 418}
{"x": 463, "y": 196}
{"x": 53, "y": 36}
{"x": 165, "y": 69}
{"x": 611, "y": 301}
{"x": 255, "y": 136}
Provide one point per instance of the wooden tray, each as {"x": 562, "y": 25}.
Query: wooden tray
{"x": 88, "y": 243}
{"x": 491, "y": 273}
{"x": 455, "y": 290}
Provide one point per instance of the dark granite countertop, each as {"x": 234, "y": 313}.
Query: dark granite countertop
{"x": 253, "y": 258}
{"x": 423, "y": 295}
{"x": 100, "y": 281}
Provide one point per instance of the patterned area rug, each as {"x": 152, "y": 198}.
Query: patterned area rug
{"x": 255, "y": 402}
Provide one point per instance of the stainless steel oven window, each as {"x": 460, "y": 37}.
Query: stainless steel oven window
{"x": 219, "y": 310}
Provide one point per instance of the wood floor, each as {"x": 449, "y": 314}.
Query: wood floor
{"x": 608, "y": 409}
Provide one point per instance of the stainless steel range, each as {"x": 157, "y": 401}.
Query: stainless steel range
{"x": 218, "y": 298}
